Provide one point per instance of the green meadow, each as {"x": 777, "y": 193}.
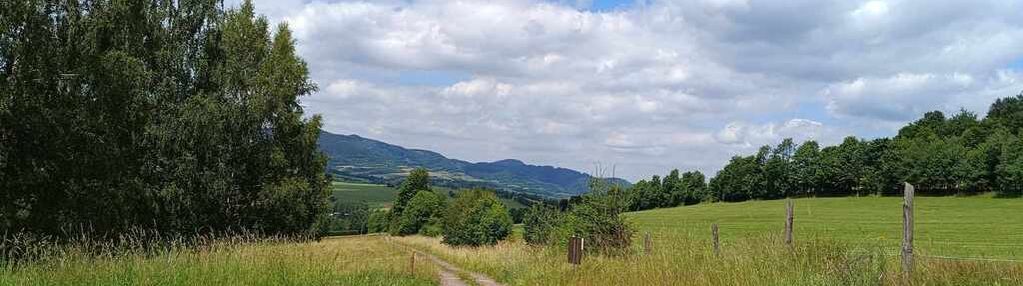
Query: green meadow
{"x": 977, "y": 226}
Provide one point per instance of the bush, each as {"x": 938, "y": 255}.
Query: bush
{"x": 597, "y": 219}
{"x": 476, "y": 218}
{"x": 420, "y": 209}
{"x": 541, "y": 224}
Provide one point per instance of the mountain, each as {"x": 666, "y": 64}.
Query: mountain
{"x": 361, "y": 159}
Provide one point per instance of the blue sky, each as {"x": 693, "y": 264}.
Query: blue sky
{"x": 647, "y": 86}
{"x": 607, "y": 5}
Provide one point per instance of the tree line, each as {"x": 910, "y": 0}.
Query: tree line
{"x": 940, "y": 155}
{"x": 177, "y": 117}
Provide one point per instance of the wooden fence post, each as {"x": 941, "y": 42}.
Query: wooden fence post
{"x": 714, "y": 234}
{"x": 575, "y": 250}
{"x": 907, "y": 232}
{"x": 412, "y": 264}
{"x": 647, "y": 247}
{"x": 788, "y": 222}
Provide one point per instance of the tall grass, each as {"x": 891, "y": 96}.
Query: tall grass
{"x": 363, "y": 260}
{"x": 683, "y": 260}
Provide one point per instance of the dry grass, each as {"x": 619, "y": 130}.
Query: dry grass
{"x": 362, "y": 260}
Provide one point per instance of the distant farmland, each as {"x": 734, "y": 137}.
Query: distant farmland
{"x": 382, "y": 196}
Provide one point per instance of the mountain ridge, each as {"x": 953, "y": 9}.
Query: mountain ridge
{"x": 357, "y": 158}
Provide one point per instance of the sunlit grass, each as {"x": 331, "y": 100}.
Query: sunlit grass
{"x": 363, "y": 260}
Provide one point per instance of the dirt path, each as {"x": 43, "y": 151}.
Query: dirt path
{"x": 447, "y": 273}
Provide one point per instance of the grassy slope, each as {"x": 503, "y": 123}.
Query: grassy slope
{"x": 969, "y": 226}
{"x": 361, "y": 260}
{"x": 381, "y": 196}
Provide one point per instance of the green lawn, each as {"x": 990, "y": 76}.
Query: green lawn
{"x": 979, "y": 226}
{"x": 381, "y": 196}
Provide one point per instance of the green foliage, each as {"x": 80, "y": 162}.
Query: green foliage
{"x": 378, "y": 221}
{"x": 541, "y": 224}
{"x": 598, "y": 219}
{"x": 476, "y": 218}
{"x": 417, "y": 180}
{"x": 423, "y": 207}
{"x": 176, "y": 117}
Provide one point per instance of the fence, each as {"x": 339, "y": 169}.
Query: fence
{"x": 906, "y": 254}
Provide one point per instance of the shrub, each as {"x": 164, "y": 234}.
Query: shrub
{"x": 541, "y": 223}
{"x": 597, "y": 219}
{"x": 476, "y": 218}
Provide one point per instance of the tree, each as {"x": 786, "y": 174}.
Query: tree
{"x": 738, "y": 180}
{"x": 420, "y": 210}
{"x": 417, "y": 180}
{"x": 695, "y": 186}
{"x": 806, "y": 169}
{"x": 176, "y": 117}
{"x": 672, "y": 188}
{"x": 476, "y": 218}
{"x": 1007, "y": 112}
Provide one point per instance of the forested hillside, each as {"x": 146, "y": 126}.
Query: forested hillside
{"x": 361, "y": 159}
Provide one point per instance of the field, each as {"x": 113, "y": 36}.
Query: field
{"x": 360, "y": 260}
{"x": 839, "y": 241}
{"x": 979, "y": 226}
{"x": 381, "y": 196}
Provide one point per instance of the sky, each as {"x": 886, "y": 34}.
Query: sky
{"x": 645, "y": 86}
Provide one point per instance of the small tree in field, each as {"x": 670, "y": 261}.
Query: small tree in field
{"x": 597, "y": 218}
{"x": 424, "y": 206}
{"x": 476, "y": 218}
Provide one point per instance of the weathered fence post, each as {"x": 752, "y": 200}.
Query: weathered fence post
{"x": 907, "y": 232}
{"x": 647, "y": 247}
{"x": 788, "y": 222}
{"x": 412, "y": 264}
{"x": 575, "y": 250}
{"x": 714, "y": 234}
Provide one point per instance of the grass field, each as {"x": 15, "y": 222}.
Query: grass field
{"x": 839, "y": 241}
{"x": 381, "y": 196}
{"x": 357, "y": 260}
{"x": 376, "y": 196}
{"x": 979, "y": 226}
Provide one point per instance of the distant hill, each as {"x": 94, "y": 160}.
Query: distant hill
{"x": 355, "y": 158}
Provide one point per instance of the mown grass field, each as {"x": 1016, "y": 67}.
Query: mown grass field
{"x": 356, "y": 260}
{"x": 381, "y": 196}
{"x": 979, "y": 226}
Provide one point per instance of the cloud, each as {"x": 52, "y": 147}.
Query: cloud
{"x": 650, "y": 86}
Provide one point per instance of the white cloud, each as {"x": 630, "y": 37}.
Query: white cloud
{"x": 665, "y": 84}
